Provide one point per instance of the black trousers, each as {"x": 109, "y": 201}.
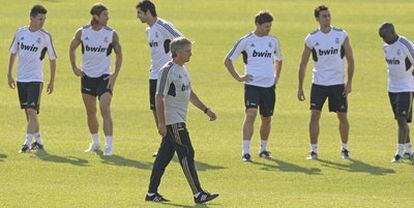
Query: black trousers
{"x": 176, "y": 140}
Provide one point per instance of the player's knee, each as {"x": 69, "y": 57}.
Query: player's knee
{"x": 266, "y": 120}
{"x": 91, "y": 112}
{"x": 402, "y": 121}
{"x": 251, "y": 113}
{"x": 31, "y": 112}
{"x": 342, "y": 117}
{"x": 315, "y": 115}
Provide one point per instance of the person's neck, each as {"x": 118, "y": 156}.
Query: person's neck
{"x": 326, "y": 29}
{"x": 97, "y": 27}
{"x": 178, "y": 61}
{"x": 259, "y": 34}
{"x": 152, "y": 21}
{"x": 395, "y": 39}
{"x": 33, "y": 28}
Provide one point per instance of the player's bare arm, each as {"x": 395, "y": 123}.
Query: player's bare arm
{"x": 50, "y": 86}
{"x": 302, "y": 71}
{"x": 10, "y": 79}
{"x": 230, "y": 67}
{"x": 350, "y": 60}
{"x": 76, "y": 41}
{"x": 118, "y": 61}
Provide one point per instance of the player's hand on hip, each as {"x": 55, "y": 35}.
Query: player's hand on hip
{"x": 245, "y": 78}
{"x": 301, "y": 95}
{"x": 111, "y": 81}
{"x": 162, "y": 130}
{"x": 78, "y": 72}
{"x": 211, "y": 115}
{"x": 347, "y": 90}
{"x": 50, "y": 87}
{"x": 11, "y": 82}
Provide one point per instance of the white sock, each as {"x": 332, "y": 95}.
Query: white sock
{"x": 197, "y": 194}
{"x": 150, "y": 194}
{"x": 400, "y": 149}
{"x": 95, "y": 138}
{"x": 38, "y": 138}
{"x": 246, "y": 147}
{"x": 28, "y": 139}
{"x": 344, "y": 146}
{"x": 408, "y": 148}
{"x": 314, "y": 148}
{"x": 108, "y": 141}
{"x": 263, "y": 144}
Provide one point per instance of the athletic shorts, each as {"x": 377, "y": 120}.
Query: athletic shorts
{"x": 152, "y": 90}
{"x": 95, "y": 86}
{"x": 263, "y": 98}
{"x": 337, "y": 101}
{"x": 30, "y": 94}
{"x": 401, "y": 103}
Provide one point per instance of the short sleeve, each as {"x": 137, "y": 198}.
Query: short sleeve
{"x": 278, "y": 52}
{"x": 50, "y": 48}
{"x": 14, "y": 44}
{"x": 164, "y": 80}
{"x": 237, "y": 49}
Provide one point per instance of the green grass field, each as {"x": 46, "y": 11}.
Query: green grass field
{"x": 65, "y": 176}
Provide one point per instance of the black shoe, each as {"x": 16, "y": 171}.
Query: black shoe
{"x": 204, "y": 197}
{"x": 312, "y": 156}
{"x": 24, "y": 149}
{"x": 155, "y": 198}
{"x": 397, "y": 159}
{"x": 246, "y": 157}
{"x": 36, "y": 145}
{"x": 266, "y": 154}
{"x": 408, "y": 156}
{"x": 345, "y": 154}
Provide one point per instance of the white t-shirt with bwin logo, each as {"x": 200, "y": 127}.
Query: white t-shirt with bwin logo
{"x": 259, "y": 55}
{"x": 31, "y": 48}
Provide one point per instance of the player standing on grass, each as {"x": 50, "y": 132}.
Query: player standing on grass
{"x": 30, "y": 44}
{"x": 399, "y": 55}
{"x": 174, "y": 91}
{"x": 159, "y": 34}
{"x": 328, "y": 46}
{"x": 97, "y": 42}
{"x": 263, "y": 64}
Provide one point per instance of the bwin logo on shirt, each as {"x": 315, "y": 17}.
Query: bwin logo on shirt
{"x": 393, "y": 61}
{"x": 31, "y": 48}
{"x": 331, "y": 51}
{"x": 95, "y": 49}
{"x": 265, "y": 54}
{"x": 153, "y": 44}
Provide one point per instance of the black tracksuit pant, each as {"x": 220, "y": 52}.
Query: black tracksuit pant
{"x": 176, "y": 140}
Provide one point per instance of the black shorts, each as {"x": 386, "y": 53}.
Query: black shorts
{"x": 401, "y": 103}
{"x": 263, "y": 97}
{"x": 152, "y": 90}
{"x": 29, "y": 94}
{"x": 337, "y": 102}
{"x": 95, "y": 86}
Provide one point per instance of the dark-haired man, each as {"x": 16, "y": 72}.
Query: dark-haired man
{"x": 399, "y": 56}
{"x": 159, "y": 34}
{"x": 328, "y": 46}
{"x": 97, "y": 41}
{"x": 31, "y": 44}
{"x": 263, "y": 64}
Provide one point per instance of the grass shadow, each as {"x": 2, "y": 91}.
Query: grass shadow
{"x": 125, "y": 162}
{"x": 287, "y": 167}
{"x": 201, "y": 166}
{"x": 45, "y": 156}
{"x": 357, "y": 166}
{"x": 186, "y": 206}
{"x": 2, "y": 156}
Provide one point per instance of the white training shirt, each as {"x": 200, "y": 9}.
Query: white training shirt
{"x": 328, "y": 56}
{"x": 400, "y": 57}
{"x": 96, "y": 51}
{"x": 174, "y": 83}
{"x": 31, "y": 48}
{"x": 159, "y": 35}
{"x": 259, "y": 54}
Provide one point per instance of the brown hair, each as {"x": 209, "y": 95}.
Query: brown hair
{"x": 263, "y": 17}
{"x": 97, "y": 9}
{"x": 37, "y": 9}
{"x": 319, "y": 9}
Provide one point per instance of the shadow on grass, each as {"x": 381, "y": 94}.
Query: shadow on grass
{"x": 121, "y": 161}
{"x": 45, "y": 156}
{"x": 201, "y": 166}
{"x": 2, "y": 156}
{"x": 186, "y": 206}
{"x": 357, "y": 166}
{"x": 287, "y": 167}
